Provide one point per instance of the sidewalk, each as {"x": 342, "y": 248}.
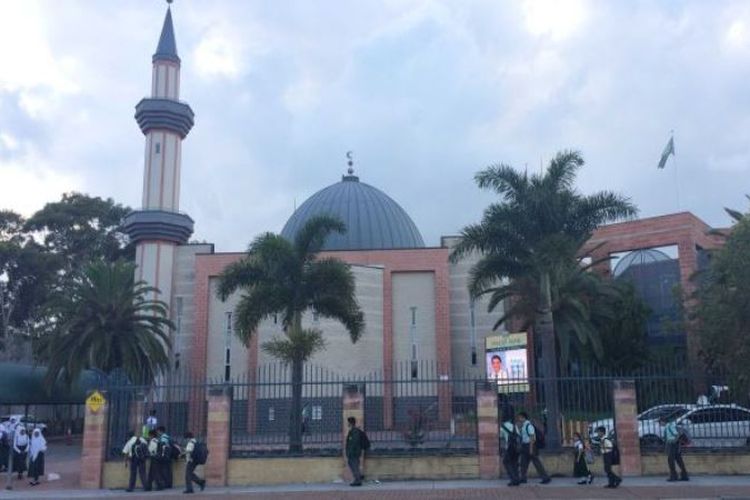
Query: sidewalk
{"x": 718, "y": 487}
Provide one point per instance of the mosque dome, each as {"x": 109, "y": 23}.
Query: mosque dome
{"x": 374, "y": 221}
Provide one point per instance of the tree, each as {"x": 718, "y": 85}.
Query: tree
{"x": 287, "y": 278}
{"x": 535, "y": 231}
{"x": 103, "y": 319}
{"x": 27, "y": 273}
{"x": 81, "y": 228}
{"x": 722, "y": 309}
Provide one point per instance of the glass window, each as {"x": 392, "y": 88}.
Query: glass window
{"x": 317, "y": 412}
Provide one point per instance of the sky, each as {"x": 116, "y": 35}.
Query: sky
{"x": 425, "y": 94}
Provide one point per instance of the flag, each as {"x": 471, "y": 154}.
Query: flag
{"x": 668, "y": 150}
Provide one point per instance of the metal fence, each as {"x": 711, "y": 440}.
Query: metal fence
{"x": 179, "y": 402}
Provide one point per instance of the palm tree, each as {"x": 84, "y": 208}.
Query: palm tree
{"x": 280, "y": 277}
{"x": 104, "y": 320}
{"x": 534, "y": 233}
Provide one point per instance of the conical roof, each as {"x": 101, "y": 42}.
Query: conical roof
{"x": 167, "y": 48}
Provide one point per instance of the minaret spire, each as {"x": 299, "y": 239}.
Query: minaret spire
{"x": 167, "y": 48}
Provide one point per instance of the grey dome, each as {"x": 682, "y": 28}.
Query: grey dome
{"x": 373, "y": 220}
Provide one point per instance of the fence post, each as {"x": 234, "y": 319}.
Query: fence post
{"x": 626, "y": 427}
{"x": 487, "y": 431}
{"x": 93, "y": 451}
{"x": 218, "y": 437}
{"x": 353, "y": 405}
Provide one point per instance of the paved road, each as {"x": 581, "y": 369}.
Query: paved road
{"x": 734, "y": 487}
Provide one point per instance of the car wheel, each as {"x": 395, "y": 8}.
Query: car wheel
{"x": 651, "y": 441}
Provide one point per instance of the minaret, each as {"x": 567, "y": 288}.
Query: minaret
{"x": 158, "y": 227}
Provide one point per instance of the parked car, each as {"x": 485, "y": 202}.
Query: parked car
{"x": 711, "y": 426}
{"x": 29, "y": 421}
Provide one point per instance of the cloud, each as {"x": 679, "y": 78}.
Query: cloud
{"x": 218, "y": 55}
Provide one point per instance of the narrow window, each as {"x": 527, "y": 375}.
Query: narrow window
{"x": 473, "y": 332}
{"x": 228, "y": 347}
{"x": 317, "y": 412}
{"x": 157, "y": 148}
{"x": 178, "y": 318}
{"x": 413, "y": 339}
{"x": 271, "y": 414}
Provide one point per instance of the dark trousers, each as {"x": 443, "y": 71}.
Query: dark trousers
{"x": 354, "y": 467}
{"x": 674, "y": 455}
{"x": 510, "y": 462}
{"x": 612, "y": 478}
{"x": 190, "y": 476}
{"x": 139, "y": 467}
{"x": 528, "y": 457}
{"x": 166, "y": 471}
{"x": 155, "y": 475}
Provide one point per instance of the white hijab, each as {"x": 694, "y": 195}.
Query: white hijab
{"x": 38, "y": 444}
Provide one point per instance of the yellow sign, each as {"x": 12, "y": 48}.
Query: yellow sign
{"x": 95, "y": 402}
{"x": 507, "y": 341}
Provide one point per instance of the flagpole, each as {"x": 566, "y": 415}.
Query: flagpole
{"x": 676, "y": 176}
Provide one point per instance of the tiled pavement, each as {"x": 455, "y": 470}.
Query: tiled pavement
{"x": 734, "y": 487}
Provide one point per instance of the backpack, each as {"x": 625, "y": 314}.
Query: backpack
{"x": 365, "y": 441}
{"x": 683, "y": 437}
{"x": 139, "y": 451}
{"x": 163, "y": 452}
{"x": 541, "y": 439}
{"x": 514, "y": 443}
{"x": 615, "y": 453}
{"x": 200, "y": 453}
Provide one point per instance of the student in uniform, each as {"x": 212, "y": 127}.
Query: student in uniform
{"x": 137, "y": 465}
{"x": 4, "y": 446}
{"x": 580, "y": 466}
{"x": 529, "y": 451}
{"x": 151, "y": 421}
{"x": 607, "y": 447}
{"x": 165, "y": 443}
{"x": 154, "y": 467}
{"x": 354, "y": 450}
{"x": 37, "y": 449}
{"x": 511, "y": 450}
{"x": 674, "y": 450}
{"x": 20, "y": 451}
{"x": 190, "y": 476}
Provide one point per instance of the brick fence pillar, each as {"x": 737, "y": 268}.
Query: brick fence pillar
{"x": 353, "y": 404}
{"x": 93, "y": 451}
{"x": 488, "y": 431}
{"x": 218, "y": 438}
{"x": 626, "y": 427}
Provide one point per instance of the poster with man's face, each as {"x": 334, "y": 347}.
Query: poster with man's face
{"x": 506, "y": 362}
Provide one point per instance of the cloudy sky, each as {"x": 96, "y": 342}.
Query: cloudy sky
{"x": 424, "y": 92}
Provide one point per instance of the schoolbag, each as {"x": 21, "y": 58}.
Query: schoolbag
{"x": 615, "y": 452}
{"x": 365, "y": 441}
{"x": 139, "y": 451}
{"x": 200, "y": 453}
{"x": 683, "y": 437}
{"x": 163, "y": 451}
{"x": 514, "y": 444}
{"x": 540, "y": 439}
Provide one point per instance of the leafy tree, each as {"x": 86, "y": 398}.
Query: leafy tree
{"x": 27, "y": 273}
{"x": 533, "y": 232}
{"x": 81, "y": 228}
{"x": 287, "y": 278}
{"x": 104, "y": 320}
{"x": 722, "y": 309}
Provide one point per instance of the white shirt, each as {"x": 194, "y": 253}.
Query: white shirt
{"x": 151, "y": 423}
{"x": 527, "y": 431}
{"x": 128, "y": 448}
{"x": 189, "y": 447}
{"x": 20, "y": 440}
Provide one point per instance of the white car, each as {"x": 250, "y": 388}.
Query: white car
{"x": 710, "y": 426}
{"x": 29, "y": 421}
{"x": 648, "y": 423}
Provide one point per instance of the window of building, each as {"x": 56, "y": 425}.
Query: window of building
{"x": 178, "y": 315}
{"x": 317, "y": 412}
{"x": 228, "y": 330}
{"x": 157, "y": 148}
{"x": 413, "y": 340}
{"x": 271, "y": 413}
{"x": 473, "y": 331}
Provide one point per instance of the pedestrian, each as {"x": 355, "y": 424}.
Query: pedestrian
{"x": 151, "y": 423}
{"x": 20, "y": 451}
{"x": 166, "y": 454}
{"x": 529, "y": 449}
{"x": 356, "y": 443}
{"x": 37, "y": 449}
{"x": 581, "y": 466}
{"x": 154, "y": 467}
{"x": 608, "y": 457}
{"x": 672, "y": 438}
{"x": 512, "y": 446}
{"x": 4, "y": 446}
{"x": 136, "y": 453}
{"x": 190, "y": 465}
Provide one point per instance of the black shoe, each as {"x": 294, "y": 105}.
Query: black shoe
{"x": 356, "y": 483}
{"x": 514, "y": 483}
{"x": 188, "y": 492}
{"x": 128, "y": 491}
{"x": 591, "y": 478}
{"x": 684, "y": 478}
{"x": 546, "y": 480}
{"x": 202, "y": 484}
{"x": 672, "y": 480}
{"x": 522, "y": 481}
